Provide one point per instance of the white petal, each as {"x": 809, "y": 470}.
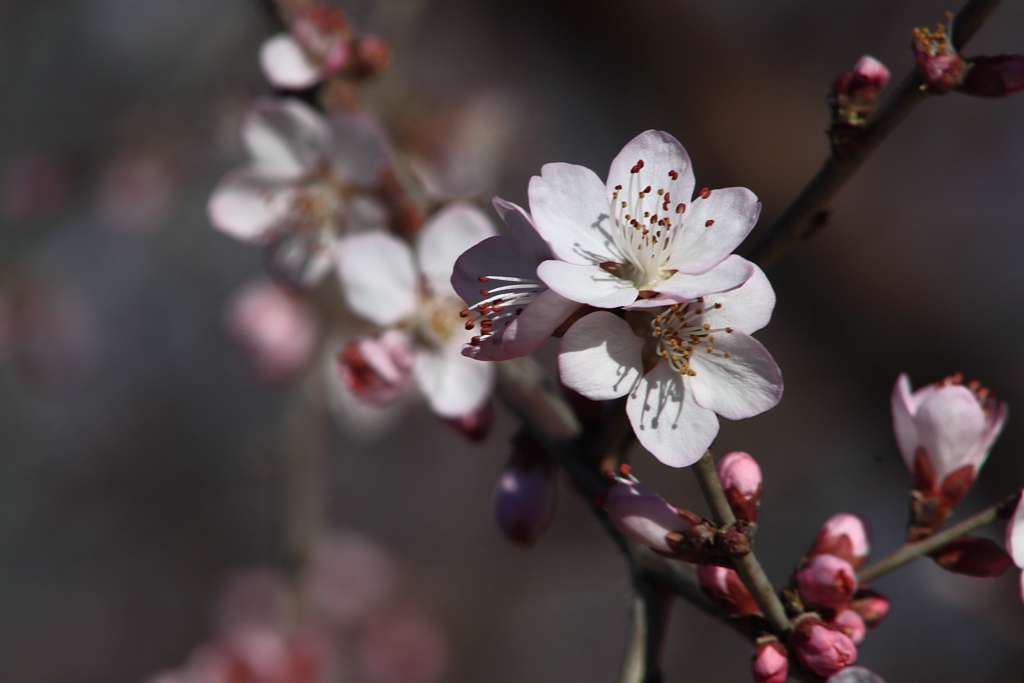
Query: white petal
{"x": 666, "y": 419}
{"x": 660, "y": 153}
{"x": 729, "y": 274}
{"x": 699, "y": 246}
{"x": 521, "y": 224}
{"x": 903, "y": 421}
{"x": 285, "y": 137}
{"x": 286, "y": 65}
{"x": 300, "y": 258}
{"x": 493, "y": 256}
{"x": 445, "y": 236}
{"x": 587, "y": 284}
{"x": 747, "y": 308}
{"x": 248, "y": 205}
{"x": 527, "y": 332}
{"x": 1015, "y": 534}
{"x": 570, "y": 211}
{"x": 743, "y": 385}
{"x": 600, "y": 357}
{"x": 950, "y": 424}
{"x": 359, "y": 147}
{"x": 453, "y": 385}
{"x": 378, "y": 277}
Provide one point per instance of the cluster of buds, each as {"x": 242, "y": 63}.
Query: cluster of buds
{"x": 944, "y": 69}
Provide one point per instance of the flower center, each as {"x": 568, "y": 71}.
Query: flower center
{"x": 679, "y": 330}
{"x": 435, "y": 322}
{"x": 505, "y": 297}
{"x": 318, "y": 205}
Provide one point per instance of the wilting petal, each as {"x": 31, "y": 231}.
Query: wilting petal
{"x": 285, "y": 137}
{"x": 444, "y": 238}
{"x": 247, "y": 205}
{"x": 745, "y": 384}
{"x": 587, "y": 284}
{"x": 378, "y": 277}
{"x": 570, "y": 212}
{"x": 286, "y": 65}
{"x": 661, "y": 153}
{"x": 600, "y": 357}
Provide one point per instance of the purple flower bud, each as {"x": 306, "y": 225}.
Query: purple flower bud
{"x": 741, "y": 479}
{"x": 643, "y": 515}
{"x": 820, "y": 648}
{"x": 973, "y": 556}
{"x": 770, "y": 663}
{"x": 846, "y": 536}
{"x": 725, "y": 588}
{"x": 524, "y": 501}
{"x": 996, "y": 76}
{"x": 827, "y": 581}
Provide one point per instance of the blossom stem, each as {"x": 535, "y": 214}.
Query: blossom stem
{"x": 652, "y": 605}
{"x": 747, "y": 566}
{"x": 909, "y": 552}
{"x": 806, "y": 214}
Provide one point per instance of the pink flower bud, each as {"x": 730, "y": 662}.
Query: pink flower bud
{"x": 377, "y": 370}
{"x": 973, "y": 557}
{"x": 871, "y": 605}
{"x": 940, "y": 64}
{"x": 852, "y": 624}
{"x": 820, "y": 648}
{"x": 741, "y": 479}
{"x": 643, "y": 515}
{"x": 372, "y": 54}
{"x": 725, "y": 588}
{"x": 524, "y": 501}
{"x": 827, "y": 581}
{"x": 854, "y": 93}
{"x": 770, "y": 663}
{"x": 996, "y": 76}
{"x": 846, "y": 536}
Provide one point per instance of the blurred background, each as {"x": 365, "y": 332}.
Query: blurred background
{"x": 141, "y": 462}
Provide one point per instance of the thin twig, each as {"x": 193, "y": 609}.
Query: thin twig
{"x": 909, "y": 552}
{"x": 652, "y": 605}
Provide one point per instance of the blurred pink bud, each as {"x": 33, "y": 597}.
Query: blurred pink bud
{"x": 255, "y": 597}
{"x": 973, "y": 556}
{"x": 871, "y": 605}
{"x": 827, "y": 581}
{"x": 136, "y": 192}
{"x": 944, "y": 431}
{"x": 642, "y": 514}
{"x": 996, "y": 76}
{"x": 741, "y": 479}
{"x": 276, "y": 331}
{"x": 377, "y": 370}
{"x": 323, "y": 32}
{"x": 940, "y": 64}
{"x": 850, "y": 623}
{"x": 524, "y": 501}
{"x": 257, "y": 655}
{"x": 821, "y": 648}
{"x": 725, "y": 588}
{"x": 770, "y": 663}
{"x": 855, "y": 674}
{"x": 475, "y": 426}
{"x": 854, "y": 93}
{"x": 350, "y": 577}
{"x": 371, "y": 55}
{"x": 846, "y": 536}
{"x": 402, "y": 649}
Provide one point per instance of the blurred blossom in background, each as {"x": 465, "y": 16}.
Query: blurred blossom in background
{"x": 141, "y": 466}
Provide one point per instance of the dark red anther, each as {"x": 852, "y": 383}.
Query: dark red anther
{"x": 674, "y": 175}
{"x": 484, "y": 292}
{"x": 625, "y": 468}
{"x": 709, "y": 223}
{"x": 680, "y": 207}
{"x": 497, "y": 308}
{"x": 470, "y": 324}
{"x": 705, "y": 193}
{"x": 647, "y": 190}
{"x": 618, "y": 187}
{"x": 637, "y": 166}
{"x": 464, "y": 313}
{"x": 484, "y": 278}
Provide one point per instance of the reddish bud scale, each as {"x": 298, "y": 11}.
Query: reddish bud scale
{"x": 973, "y": 556}
{"x": 724, "y": 587}
{"x": 871, "y": 605}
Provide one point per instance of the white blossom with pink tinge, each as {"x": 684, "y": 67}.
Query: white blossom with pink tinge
{"x": 316, "y": 47}
{"x": 681, "y": 367}
{"x": 385, "y": 282}
{"x": 511, "y": 310}
{"x": 1015, "y": 539}
{"x": 297, "y": 185}
{"x": 642, "y": 238}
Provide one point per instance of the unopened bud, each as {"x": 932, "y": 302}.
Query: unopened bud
{"x": 475, "y": 426}
{"x": 852, "y": 624}
{"x": 827, "y": 581}
{"x": 770, "y": 663}
{"x": 854, "y": 93}
{"x": 643, "y": 515}
{"x": 724, "y": 587}
{"x": 940, "y": 64}
{"x": 846, "y": 536}
{"x": 741, "y": 479}
{"x": 821, "y": 648}
{"x": 871, "y": 605}
{"x": 524, "y": 501}
{"x": 370, "y": 55}
{"x": 973, "y": 557}
{"x": 996, "y": 76}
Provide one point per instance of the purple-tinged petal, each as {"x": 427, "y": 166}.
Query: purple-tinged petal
{"x": 285, "y": 64}
{"x": 521, "y": 224}
{"x": 445, "y": 236}
{"x": 747, "y": 308}
{"x": 667, "y": 420}
{"x": 499, "y": 255}
{"x": 727, "y": 275}
{"x": 903, "y": 410}
{"x": 746, "y": 383}
{"x": 527, "y": 332}
{"x": 600, "y": 357}
{"x": 359, "y": 147}
{"x": 453, "y": 385}
{"x": 570, "y": 212}
{"x": 247, "y": 205}
{"x": 285, "y": 138}
{"x": 661, "y": 154}
{"x": 587, "y": 284}
{"x": 378, "y": 277}
{"x": 714, "y": 227}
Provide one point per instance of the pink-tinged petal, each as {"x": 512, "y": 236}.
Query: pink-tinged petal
{"x": 286, "y": 65}
{"x": 587, "y": 284}
{"x": 993, "y": 427}
{"x": 747, "y": 308}
{"x": 903, "y": 409}
{"x": 521, "y": 225}
{"x": 359, "y": 147}
{"x": 727, "y": 275}
{"x": 570, "y": 212}
{"x": 248, "y": 205}
{"x": 714, "y": 227}
{"x": 745, "y": 384}
{"x": 1015, "y": 534}
{"x": 285, "y": 138}
{"x": 949, "y": 425}
{"x": 493, "y": 256}
{"x": 299, "y": 259}
{"x": 445, "y": 236}
{"x": 453, "y": 385}
{"x": 378, "y": 277}
{"x": 600, "y": 357}
{"x": 661, "y": 153}
{"x": 527, "y": 332}
{"x": 667, "y": 420}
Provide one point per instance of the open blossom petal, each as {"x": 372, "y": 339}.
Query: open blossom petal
{"x": 359, "y": 147}
{"x": 587, "y": 284}
{"x": 570, "y": 210}
{"x": 444, "y": 238}
{"x": 600, "y": 357}
{"x": 378, "y": 277}
{"x": 522, "y": 227}
{"x": 728, "y": 215}
{"x": 286, "y": 65}
{"x": 746, "y": 309}
{"x": 453, "y": 385}
{"x": 662, "y": 154}
{"x": 744, "y": 384}
{"x": 667, "y": 420}
{"x": 539, "y": 320}
{"x": 248, "y": 205}
{"x": 285, "y": 137}
{"x": 732, "y": 272}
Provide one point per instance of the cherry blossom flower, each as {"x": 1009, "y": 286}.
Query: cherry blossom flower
{"x": 296, "y": 192}
{"x": 679, "y": 366}
{"x": 316, "y": 47}
{"x": 387, "y": 284}
{"x": 640, "y": 236}
{"x": 511, "y": 309}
